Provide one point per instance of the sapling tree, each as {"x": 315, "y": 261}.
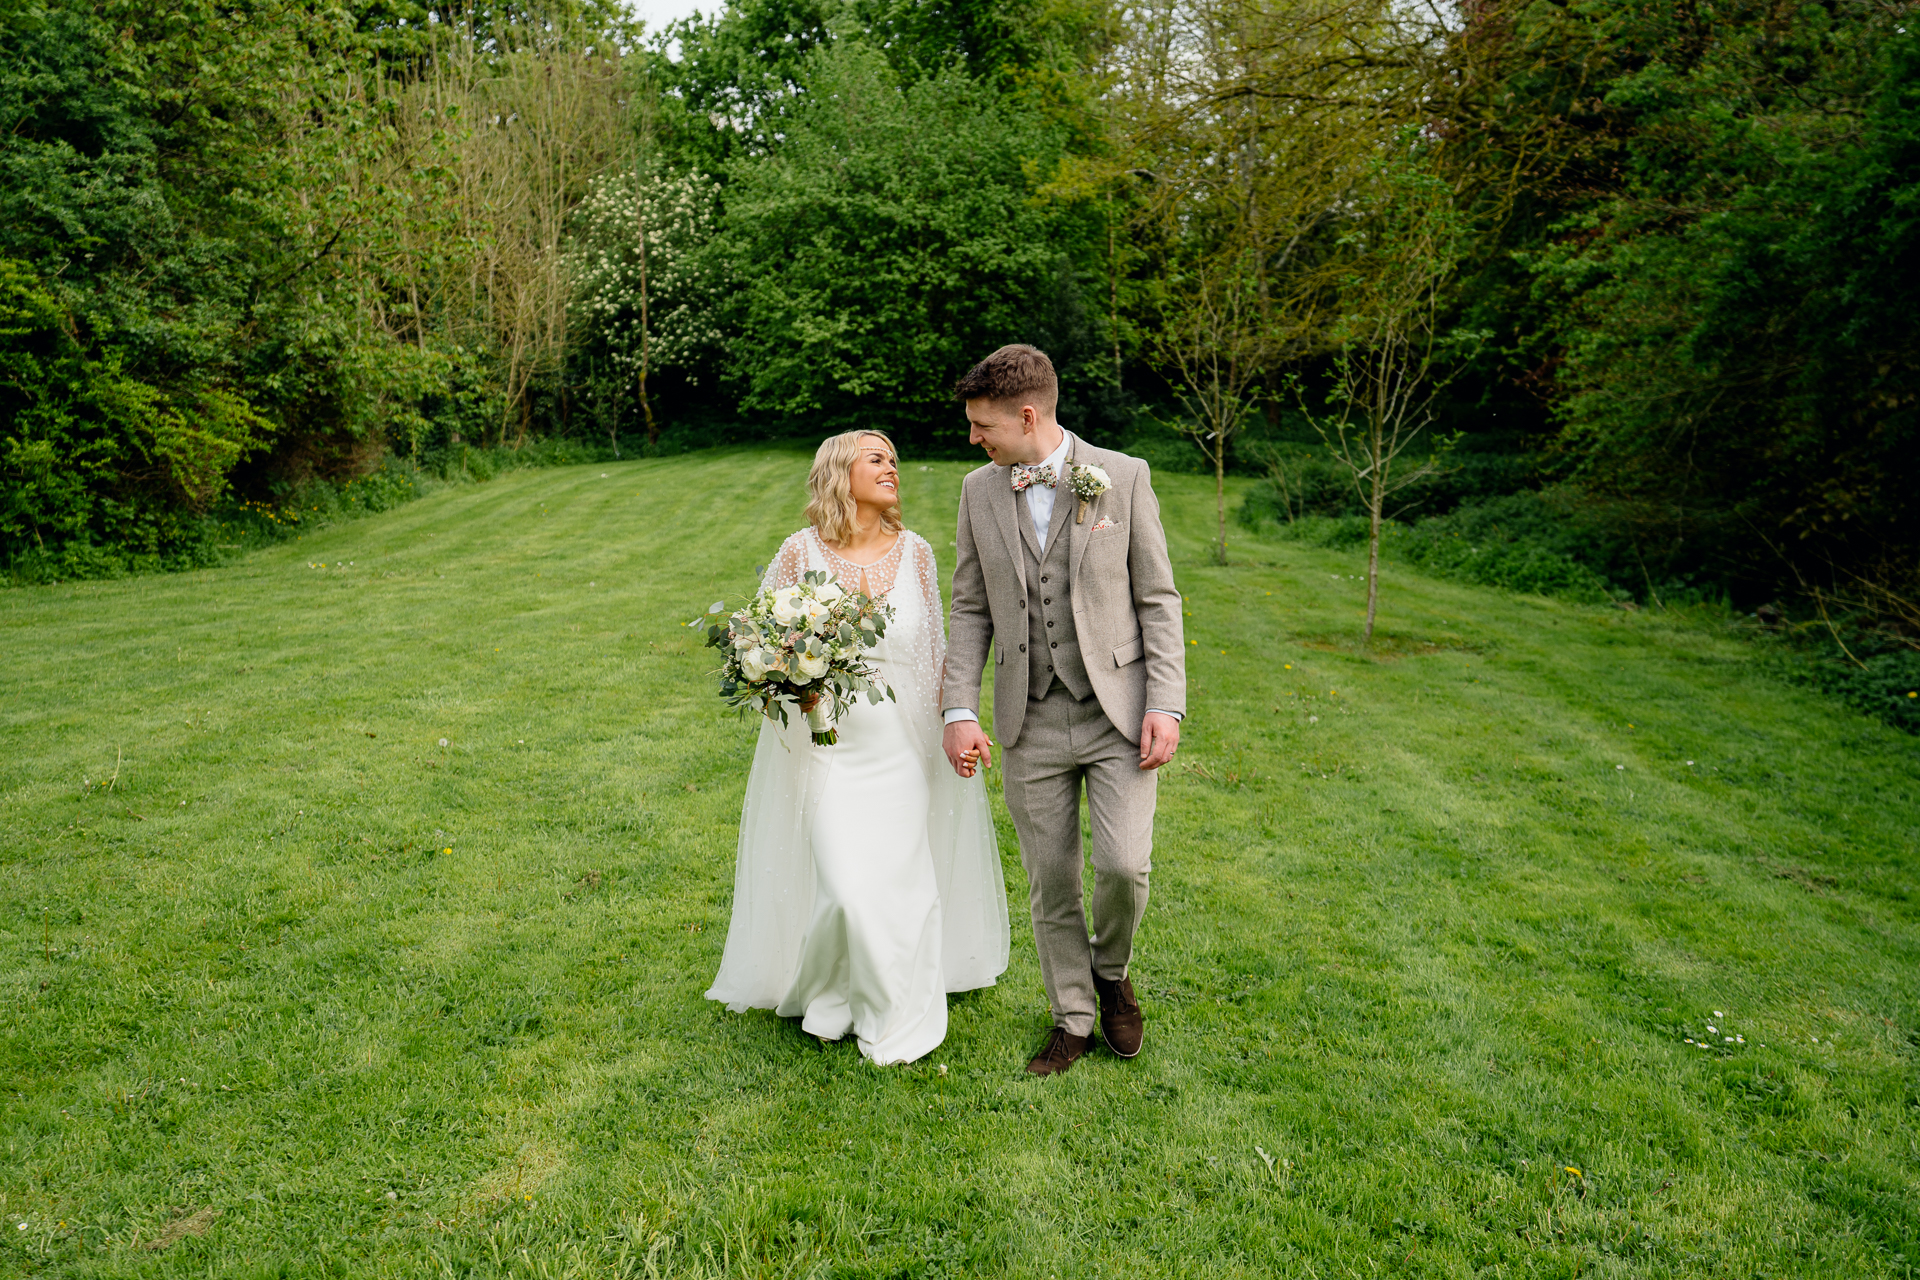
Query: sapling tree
{"x": 1216, "y": 342}
{"x": 1391, "y": 358}
{"x": 1243, "y": 127}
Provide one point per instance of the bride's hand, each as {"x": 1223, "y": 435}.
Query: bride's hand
{"x": 967, "y": 747}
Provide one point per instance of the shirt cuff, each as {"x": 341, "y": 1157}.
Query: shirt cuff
{"x": 954, "y": 715}
{"x": 1177, "y": 715}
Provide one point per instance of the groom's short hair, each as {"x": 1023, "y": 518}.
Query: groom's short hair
{"x": 1015, "y": 372}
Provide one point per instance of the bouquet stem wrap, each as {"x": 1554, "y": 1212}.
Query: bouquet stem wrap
{"x": 823, "y": 724}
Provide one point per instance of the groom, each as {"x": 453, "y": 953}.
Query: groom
{"x": 1062, "y": 576}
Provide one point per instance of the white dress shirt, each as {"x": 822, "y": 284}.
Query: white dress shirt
{"x": 1040, "y": 498}
{"x": 1040, "y": 501}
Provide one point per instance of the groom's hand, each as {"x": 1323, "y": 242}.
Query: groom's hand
{"x": 1159, "y": 735}
{"x": 963, "y": 738}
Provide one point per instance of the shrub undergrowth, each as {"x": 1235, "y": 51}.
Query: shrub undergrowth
{"x": 242, "y": 524}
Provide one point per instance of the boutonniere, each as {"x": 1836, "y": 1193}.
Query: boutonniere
{"x": 1087, "y": 484}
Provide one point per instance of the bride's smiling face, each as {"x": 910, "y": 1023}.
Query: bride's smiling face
{"x": 875, "y": 477}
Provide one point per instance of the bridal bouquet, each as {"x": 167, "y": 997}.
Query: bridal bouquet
{"x": 802, "y": 646}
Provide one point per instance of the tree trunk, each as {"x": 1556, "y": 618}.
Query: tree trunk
{"x": 1220, "y": 496}
{"x": 646, "y": 405}
{"x": 1376, "y": 502}
{"x": 1113, "y": 298}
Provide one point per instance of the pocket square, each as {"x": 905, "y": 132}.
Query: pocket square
{"x": 1104, "y": 523}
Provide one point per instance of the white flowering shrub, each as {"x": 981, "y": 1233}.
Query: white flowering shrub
{"x": 645, "y": 288}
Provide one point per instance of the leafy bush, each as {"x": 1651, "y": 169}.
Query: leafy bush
{"x": 1881, "y": 678}
{"x": 1303, "y": 480}
{"x": 1517, "y": 565}
{"x": 1335, "y": 532}
{"x": 1164, "y": 449}
{"x": 1299, "y": 483}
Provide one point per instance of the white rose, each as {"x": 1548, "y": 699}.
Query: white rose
{"x": 1093, "y": 480}
{"x": 811, "y": 667}
{"x": 786, "y": 605}
{"x": 814, "y": 611}
{"x": 828, "y": 592}
{"x": 751, "y": 667}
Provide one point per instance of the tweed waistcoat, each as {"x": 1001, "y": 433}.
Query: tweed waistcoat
{"x": 1053, "y": 646}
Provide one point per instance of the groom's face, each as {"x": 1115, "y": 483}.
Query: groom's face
{"x": 1006, "y": 430}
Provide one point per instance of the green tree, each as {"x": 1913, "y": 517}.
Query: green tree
{"x": 891, "y": 240}
{"x": 1711, "y": 210}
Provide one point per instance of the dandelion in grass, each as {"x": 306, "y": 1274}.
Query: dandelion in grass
{"x": 443, "y": 742}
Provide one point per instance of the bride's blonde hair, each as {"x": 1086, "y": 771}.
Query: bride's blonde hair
{"x": 830, "y": 508}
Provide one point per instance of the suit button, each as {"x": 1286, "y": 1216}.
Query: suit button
{"x": 1023, "y": 604}
{"x": 1048, "y": 600}
{"x": 1043, "y": 577}
{"x": 1023, "y": 648}
{"x": 1049, "y": 666}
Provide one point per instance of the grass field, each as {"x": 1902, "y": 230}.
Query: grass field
{"x": 359, "y": 899}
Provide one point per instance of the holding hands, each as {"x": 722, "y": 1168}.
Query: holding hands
{"x": 969, "y": 751}
{"x": 967, "y": 748}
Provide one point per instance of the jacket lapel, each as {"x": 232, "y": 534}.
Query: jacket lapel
{"x": 1007, "y": 517}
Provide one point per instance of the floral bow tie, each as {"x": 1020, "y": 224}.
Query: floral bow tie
{"x": 1041, "y": 475}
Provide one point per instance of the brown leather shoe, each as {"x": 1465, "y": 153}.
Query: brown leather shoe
{"x": 1058, "y": 1053}
{"x": 1122, "y": 1025}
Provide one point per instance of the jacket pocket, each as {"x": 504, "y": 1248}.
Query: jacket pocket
{"x": 999, "y": 653}
{"x": 1129, "y": 652}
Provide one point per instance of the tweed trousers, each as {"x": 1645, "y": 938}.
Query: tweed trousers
{"x": 1066, "y": 744}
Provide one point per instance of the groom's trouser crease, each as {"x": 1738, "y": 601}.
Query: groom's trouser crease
{"x": 1064, "y": 742}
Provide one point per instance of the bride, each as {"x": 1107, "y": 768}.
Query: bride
{"x": 868, "y": 880}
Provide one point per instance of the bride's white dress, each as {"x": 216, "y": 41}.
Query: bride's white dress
{"x": 868, "y": 878}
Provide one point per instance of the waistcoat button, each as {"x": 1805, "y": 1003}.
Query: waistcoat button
{"x": 1054, "y": 645}
{"x": 1023, "y": 648}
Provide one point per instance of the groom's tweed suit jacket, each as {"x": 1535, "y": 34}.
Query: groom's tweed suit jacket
{"x": 1122, "y": 607}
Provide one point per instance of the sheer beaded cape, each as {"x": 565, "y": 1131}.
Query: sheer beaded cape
{"x": 774, "y": 875}
{"x": 915, "y": 645}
